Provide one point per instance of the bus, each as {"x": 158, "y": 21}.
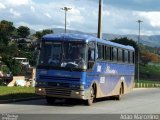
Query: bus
{"x": 75, "y": 66}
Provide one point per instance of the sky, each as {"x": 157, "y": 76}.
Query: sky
{"x": 119, "y": 16}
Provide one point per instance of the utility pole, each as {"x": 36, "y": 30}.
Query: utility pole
{"x": 66, "y": 9}
{"x": 139, "y": 23}
{"x": 99, "y": 35}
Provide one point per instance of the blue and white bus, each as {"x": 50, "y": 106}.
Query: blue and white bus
{"x": 83, "y": 67}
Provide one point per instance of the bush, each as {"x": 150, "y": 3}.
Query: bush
{"x": 151, "y": 69}
{"x": 150, "y": 72}
{"x": 12, "y": 64}
{"x": 5, "y": 69}
{"x": 2, "y": 83}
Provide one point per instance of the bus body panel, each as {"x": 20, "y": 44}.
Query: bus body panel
{"x": 109, "y": 76}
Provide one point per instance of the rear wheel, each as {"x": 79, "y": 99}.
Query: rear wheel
{"x": 50, "y": 100}
{"x": 118, "y": 97}
{"x": 91, "y": 98}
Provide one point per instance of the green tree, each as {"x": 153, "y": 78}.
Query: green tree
{"x": 126, "y": 41}
{"x": 6, "y": 31}
{"x": 10, "y": 50}
{"x": 23, "y": 31}
{"x": 39, "y": 34}
{"x": 47, "y": 31}
{"x": 13, "y": 65}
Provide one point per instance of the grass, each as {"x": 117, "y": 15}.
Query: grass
{"x": 7, "y": 93}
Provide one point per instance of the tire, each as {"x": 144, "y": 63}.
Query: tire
{"x": 118, "y": 97}
{"x": 50, "y": 100}
{"x": 92, "y": 97}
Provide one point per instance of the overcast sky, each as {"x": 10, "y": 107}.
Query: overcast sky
{"x": 119, "y": 16}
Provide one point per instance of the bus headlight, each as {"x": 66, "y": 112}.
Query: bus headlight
{"x": 39, "y": 89}
{"x": 77, "y": 93}
{"x": 81, "y": 86}
{"x": 84, "y": 67}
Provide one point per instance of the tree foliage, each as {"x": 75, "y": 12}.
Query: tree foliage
{"x": 10, "y": 50}
{"x": 39, "y": 34}
{"x": 23, "y": 31}
{"x": 126, "y": 41}
{"x": 6, "y": 31}
{"x": 148, "y": 54}
{"x": 13, "y": 65}
{"x": 11, "y": 46}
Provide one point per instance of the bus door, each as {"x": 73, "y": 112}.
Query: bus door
{"x": 91, "y": 72}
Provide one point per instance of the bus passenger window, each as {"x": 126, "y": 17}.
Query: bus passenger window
{"x": 108, "y": 53}
{"x": 114, "y": 54}
{"x": 100, "y": 52}
{"x": 126, "y": 56}
{"x": 120, "y": 55}
{"x": 103, "y": 52}
{"x": 131, "y": 57}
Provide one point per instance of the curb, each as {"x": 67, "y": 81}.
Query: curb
{"x": 19, "y": 100}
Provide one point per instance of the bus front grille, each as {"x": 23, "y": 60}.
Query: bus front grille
{"x": 60, "y": 78}
{"x": 58, "y": 91}
{"x": 57, "y": 84}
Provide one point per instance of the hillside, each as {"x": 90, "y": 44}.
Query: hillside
{"x": 152, "y": 41}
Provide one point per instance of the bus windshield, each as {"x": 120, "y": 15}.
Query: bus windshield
{"x": 63, "y": 55}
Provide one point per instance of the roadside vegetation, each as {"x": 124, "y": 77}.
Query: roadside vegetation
{"x": 8, "y": 93}
{"x": 18, "y": 42}
{"x": 149, "y": 66}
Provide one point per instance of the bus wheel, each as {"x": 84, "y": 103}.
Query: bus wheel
{"x": 118, "y": 97}
{"x": 92, "y": 97}
{"x": 50, "y": 100}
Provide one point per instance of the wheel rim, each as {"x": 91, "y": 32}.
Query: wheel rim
{"x": 92, "y": 94}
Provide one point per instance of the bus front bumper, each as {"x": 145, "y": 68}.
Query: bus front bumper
{"x": 62, "y": 93}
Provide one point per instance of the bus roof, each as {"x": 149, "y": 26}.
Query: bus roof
{"x": 81, "y": 38}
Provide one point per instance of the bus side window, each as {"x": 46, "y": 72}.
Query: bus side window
{"x": 114, "y": 54}
{"x": 120, "y": 55}
{"x": 108, "y": 53}
{"x": 125, "y": 56}
{"x": 132, "y": 57}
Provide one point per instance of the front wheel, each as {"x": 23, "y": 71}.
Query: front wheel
{"x": 91, "y": 98}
